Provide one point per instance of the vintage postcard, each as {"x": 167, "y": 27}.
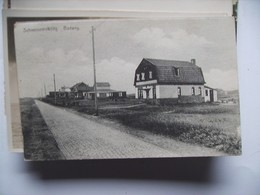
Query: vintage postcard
{"x": 109, "y": 89}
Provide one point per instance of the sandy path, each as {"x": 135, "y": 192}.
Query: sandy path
{"x": 82, "y": 138}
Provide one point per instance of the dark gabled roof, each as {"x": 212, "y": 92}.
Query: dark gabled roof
{"x": 189, "y": 73}
{"x": 103, "y": 84}
{"x": 77, "y": 84}
{"x": 87, "y": 87}
{"x": 175, "y": 63}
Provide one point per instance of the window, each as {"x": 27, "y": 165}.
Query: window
{"x": 199, "y": 90}
{"x": 120, "y": 94}
{"x": 177, "y": 71}
{"x": 150, "y": 74}
{"x": 192, "y": 91}
{"x": 179, "y": 91}
{"x": 143, "y": 76}
{"x": 207, "y": 92}
{"x": 138, "y": 77}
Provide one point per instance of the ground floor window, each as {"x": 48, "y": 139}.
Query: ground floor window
{"x": 207, "y": 92}
{"x": 199, "y": 90}
{"x": 179, "y": 91}
{"x": 192, "y": 91}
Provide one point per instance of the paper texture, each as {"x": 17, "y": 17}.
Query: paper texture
{"x": 173, "y": 6}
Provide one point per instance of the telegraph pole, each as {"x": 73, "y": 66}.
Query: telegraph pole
{"x": 54, "y": 82}
{"x": 41, "y": 94}
{"x": 94, "y": 67}
{"x": 45, "y": 90}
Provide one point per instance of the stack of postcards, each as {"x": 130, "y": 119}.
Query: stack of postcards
{"x": 97, "y": 80}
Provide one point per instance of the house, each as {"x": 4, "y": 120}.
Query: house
{"x": 80, "y": 90}
{"x": 210, "y": 94}
{"x": 182, "y": 81}
{"x": 104, "y": 92}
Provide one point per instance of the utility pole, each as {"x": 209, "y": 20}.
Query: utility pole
{"x": 41, "y": 93}
{"x": 94, "y": 67}
{"x": 45, "y": 90}
{"x": 55, "y": 98}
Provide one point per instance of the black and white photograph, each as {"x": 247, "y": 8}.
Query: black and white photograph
{"x": 128, "y": 88}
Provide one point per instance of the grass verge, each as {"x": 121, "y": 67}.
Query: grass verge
{"x": 39, "y": 142}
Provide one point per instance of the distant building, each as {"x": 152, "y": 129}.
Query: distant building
{"x": 80, "y": 89}
{"x": 65, "y": 89}
{"x": 104, "y": 92}
{"x": 170, "y": 79}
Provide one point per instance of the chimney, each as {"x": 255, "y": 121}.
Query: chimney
{"x": 193, "y": 61}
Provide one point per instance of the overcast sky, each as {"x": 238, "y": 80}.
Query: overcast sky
{"x": 65, "y": 48}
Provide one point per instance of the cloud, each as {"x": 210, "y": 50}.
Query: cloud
{"x": 226, "y": 80}
{"x": 171, "y": 45}
{"x": 118, "y": 72}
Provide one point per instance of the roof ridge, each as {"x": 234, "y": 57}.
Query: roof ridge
{"x": 166, "y": 60}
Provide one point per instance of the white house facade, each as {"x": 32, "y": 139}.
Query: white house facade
{"x": 165, "y": 79}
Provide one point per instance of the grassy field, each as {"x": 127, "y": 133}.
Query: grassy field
{"x": 210, "y": 125}
{"x": 39, "y": 143}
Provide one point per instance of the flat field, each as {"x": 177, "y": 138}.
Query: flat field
{"x": 211, "y": 125}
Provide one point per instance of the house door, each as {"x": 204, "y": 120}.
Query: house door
{"x": 147, "y": 93}
{"x": 154, "y": 92}
{"x": 211, "y": 95}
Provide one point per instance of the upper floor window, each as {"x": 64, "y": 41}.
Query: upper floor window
{"x": 138, "y": 77}
{"x": 192, "y": 91}
{"x": 150, "y": 74}
{"x": 143, "y": 76}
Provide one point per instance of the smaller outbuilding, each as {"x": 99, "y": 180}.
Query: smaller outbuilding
{"x": 211, "y": 95}
{"x": 104, "y": 92}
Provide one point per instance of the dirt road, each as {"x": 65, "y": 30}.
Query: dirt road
{"x": 82, "y": 138}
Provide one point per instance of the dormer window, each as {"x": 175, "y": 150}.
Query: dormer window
{"x": 177, "y": 72}
{"x": 143, "y": 76}
{"x": 138, "y": 77}
{"x": 150, "y": 74}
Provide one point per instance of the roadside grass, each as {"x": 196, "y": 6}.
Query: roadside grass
{"x": 39, "y": 142}
{"x": 209, "y": 125}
